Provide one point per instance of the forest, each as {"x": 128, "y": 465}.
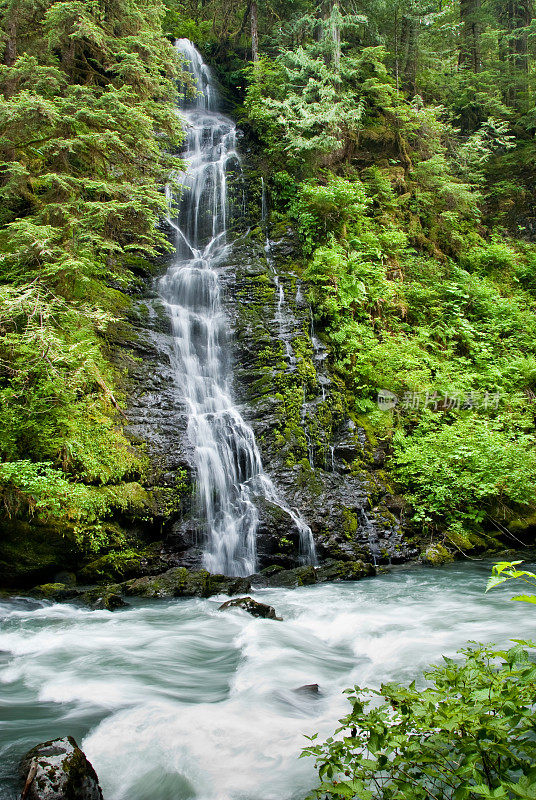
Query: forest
{"x": 397, "y": 140}
{"x": 369, "y": 397}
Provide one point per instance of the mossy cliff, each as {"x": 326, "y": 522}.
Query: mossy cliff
{"x": 318, "y": 455}
{"x": 126, "y": 522}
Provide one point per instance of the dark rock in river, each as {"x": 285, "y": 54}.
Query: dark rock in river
{"x": 108, "y": 601}
{"x": 344, "y": 571}
{"x": 58, "y": 770}
{"x": 305, "y": 576}
{"x": 308, "y": 689}
{"x": 253, "y": 607}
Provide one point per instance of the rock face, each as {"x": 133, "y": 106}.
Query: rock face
{"x": 253, "y": 607}
{"x": 58, "y": 770}
{"x": 318, "y": 453}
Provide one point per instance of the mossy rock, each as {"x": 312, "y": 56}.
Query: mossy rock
{"x": 180, "y": 582}
{"x": 121, "y": 565}
{"x": 344, "y": 571}
{"x": 30, "y": 553}
{"x": 108, "y": 601}
{"x": 523, "y": 524}
{"x": 58, "y": 592}
{"x": 437, "y": 554}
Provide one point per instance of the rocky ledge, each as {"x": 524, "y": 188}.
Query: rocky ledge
{"x": 181, "y": 582}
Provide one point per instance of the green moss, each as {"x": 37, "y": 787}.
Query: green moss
{"x": 350, "y": 522}
{"x": 522, "y": 524}
{"x": 437, "y": 554}
{"x": 118, "y": 565}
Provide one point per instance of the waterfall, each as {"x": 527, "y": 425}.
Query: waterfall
{"x": 229, "y": 472}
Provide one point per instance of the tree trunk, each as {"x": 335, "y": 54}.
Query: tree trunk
{"x": 254, "y": 31}
{"x": 469, "y": 56}
{"x": 517, "y": 16}
{"x": 10, "y": 50}
{"x": 409, "y": 46}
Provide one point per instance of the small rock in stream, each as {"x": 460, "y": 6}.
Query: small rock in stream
{"x": 108, "y": 602}
{"x": 58, "y": 770}
{"x": 252, "y": 607}
{"x": 308, "y": 689}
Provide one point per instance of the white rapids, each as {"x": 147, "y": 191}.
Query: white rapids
{"x": 227, "y": 460}
{"x": 176, "y": 700}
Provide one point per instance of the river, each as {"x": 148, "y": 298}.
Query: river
{"x": 175, "y": 700}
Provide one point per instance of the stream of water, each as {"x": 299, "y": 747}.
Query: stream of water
{"x": 175, "y": 700}
{"x": 229, "y": 471}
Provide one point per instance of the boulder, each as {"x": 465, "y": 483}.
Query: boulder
{"x": 253, "y": 607}
{"x": 56, "y": 592}
{"x": 121, "y": 566}
{"x": 108, "y": 601}
{"x": 58, "y": 770}
{"x": 290, "y": 578}
{"x": 308, "y": 689}
{"x": 344, "y": 571}
{"x": 331, "y": 570}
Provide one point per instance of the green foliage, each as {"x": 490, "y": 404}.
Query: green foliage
{"x": 469, "y": 734}
{"x": 87, "y": 125}
{"x": 461, "y": 471}
{"x": 453, "y": 339}
{"x": 44, "y": 493}
{"x": 506, "y": 571}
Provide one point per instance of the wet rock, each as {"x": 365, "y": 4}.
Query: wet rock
{"x": 253, "y": 607}
{"x": 291, "y": 578}
{"x": 180, "y": 582}
{"x": 322, "y": 462}
{"x": 58, "y": 770}
{"x": 108, "y": 602}
{"x": 308, "y": 689}
{"x": 304, "y": 576}
{"x": 344, "y": 571}
{"x": 278, "y": 536}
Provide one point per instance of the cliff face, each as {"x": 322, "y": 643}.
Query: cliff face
{"x": 320, "y": 459}
{"x": 318, "y": 456}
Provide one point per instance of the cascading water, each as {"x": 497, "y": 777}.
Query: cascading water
{"x": 228, "y": 463}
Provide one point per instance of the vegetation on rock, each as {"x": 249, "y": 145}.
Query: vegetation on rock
{"x": 396, "y": 140}
{"x": 87, "y": 125}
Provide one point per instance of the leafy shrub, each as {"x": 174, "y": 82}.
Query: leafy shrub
{"x": 508, "y": 570}
{"x": 462, "y": 470}
{"x": 468, "y": 735}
